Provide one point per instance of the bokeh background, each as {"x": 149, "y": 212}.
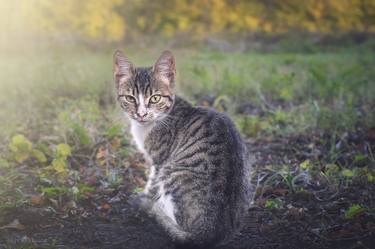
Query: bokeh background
{"x": 299, "y": 72}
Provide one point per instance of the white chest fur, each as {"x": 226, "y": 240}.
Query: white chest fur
{"x": 139, "y": 133}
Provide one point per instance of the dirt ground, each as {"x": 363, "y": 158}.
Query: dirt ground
{"x": 310, "y": 214}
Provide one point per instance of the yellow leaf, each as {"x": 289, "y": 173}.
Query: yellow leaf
{"x": 59, "y": 165}
{"x": 63, "y": 151}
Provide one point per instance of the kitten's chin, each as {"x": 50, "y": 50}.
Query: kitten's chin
{"x": 141, "y": 122}
{"x": 144, "y": 122}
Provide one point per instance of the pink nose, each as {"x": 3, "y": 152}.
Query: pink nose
{"x": 141, "y": 114}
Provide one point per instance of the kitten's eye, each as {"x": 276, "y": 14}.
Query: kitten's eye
{"x": 130, "y": 98}
{"x": 155, "y": 99}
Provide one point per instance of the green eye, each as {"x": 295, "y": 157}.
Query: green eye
{"x": 155, "y": 99}
{"x": 130, "y": 98}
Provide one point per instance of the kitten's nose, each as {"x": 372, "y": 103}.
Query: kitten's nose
{"x": 141, "y": 114}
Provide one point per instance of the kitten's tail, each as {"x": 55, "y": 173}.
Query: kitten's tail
{"x": 197, "y": 239}
{"x": 173, "y": 229}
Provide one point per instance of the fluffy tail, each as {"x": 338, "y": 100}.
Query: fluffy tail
{"x": 198, "y": 238}
{"x": 173, "y": 229}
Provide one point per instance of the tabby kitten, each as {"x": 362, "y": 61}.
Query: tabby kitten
{"x": 198, "y": 187}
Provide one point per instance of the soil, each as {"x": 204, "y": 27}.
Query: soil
{"x": 309, "y": 213}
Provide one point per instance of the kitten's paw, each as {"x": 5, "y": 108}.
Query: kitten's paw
{"x": 140, "y": 200}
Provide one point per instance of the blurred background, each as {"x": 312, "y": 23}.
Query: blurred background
{"x": 284, "y": 70}
{"x": 239, "y": 25}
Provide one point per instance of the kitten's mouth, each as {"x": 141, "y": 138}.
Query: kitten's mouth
{"x": 143, "y": 121}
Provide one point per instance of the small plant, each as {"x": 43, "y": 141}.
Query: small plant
{"x": 22, "y": 149}
{"x": 137, "y": 190}
{"x": 273, "y": 204}
{"x": 58, "y": 169}
{"x": 354, "y": 210}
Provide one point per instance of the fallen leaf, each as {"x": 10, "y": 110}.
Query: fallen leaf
{"x": 36, "y": 200}
{"x": 106, "y": 206}
{"x": 101, "y": 153}
{"x": 115, "y": 143}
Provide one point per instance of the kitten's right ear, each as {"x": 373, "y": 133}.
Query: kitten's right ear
{"x": 122, "y": 68}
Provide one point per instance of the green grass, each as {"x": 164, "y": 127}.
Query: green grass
{"x": 57, "y": 97}
{"x": 325, "y": 88}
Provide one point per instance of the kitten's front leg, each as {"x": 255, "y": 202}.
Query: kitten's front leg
{"x": 150, "y": 179}
{"x": 142, "y": 200}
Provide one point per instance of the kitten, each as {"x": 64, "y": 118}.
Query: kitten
{"x": 198, "y": 187}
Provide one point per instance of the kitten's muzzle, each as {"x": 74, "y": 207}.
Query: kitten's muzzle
{"x": 141, "y": 115}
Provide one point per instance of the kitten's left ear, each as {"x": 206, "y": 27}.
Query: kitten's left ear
{"x": 165, "y": 68}
{"x": 123, "y": 68}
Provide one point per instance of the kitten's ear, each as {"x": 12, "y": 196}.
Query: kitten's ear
{"x": 122, "y": 68}
{"x": 165, "y": 68}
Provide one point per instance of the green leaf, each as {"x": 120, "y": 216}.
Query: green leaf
{"x": 137, "y": 190}
{"x": 114, "y": 131}
{"x": 19, "y": 142}
{"x": 63, "y": 151}
{"x": 21, "y": 148}
{"x": 354, "y": 210}
{"x": 331, "y": 169}
{"x": 81, "y": 132}
{"x": 273, "y": 203}
{"x": 348, "y": 173}
{"x": 305, "y": 164}
{"x": 44, "y": 148}
{"x": 360, "y": 158}
{"x": 39, "y": 156}
{"x": 370, "y": 177}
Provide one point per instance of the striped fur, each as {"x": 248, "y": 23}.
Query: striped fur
{"x": 199, "y": 182}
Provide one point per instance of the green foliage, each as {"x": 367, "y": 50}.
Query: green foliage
{"x": 354, "y": 210}
{"x": 137, "y": 190}
{"x": 63, "y": 151}
{"x": 22, "y": 149}
{"x": 251, "y": 126}
{"x": 54, "y": 191}
{"x": 82, "y": 134}
{"x": 273, "y": 204}
{"x": 114, "y": 131}
{"x": 306, "y": 164}
{"x": 347, "y": 173}
{"x": 39, "y": 155}
{"x": 332, "y": 170}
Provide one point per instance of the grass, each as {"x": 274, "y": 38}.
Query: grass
{"x": 322, "y": 87}
{"x": 66, "y": 97}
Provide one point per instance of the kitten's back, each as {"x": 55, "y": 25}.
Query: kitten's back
{"x": 204, "y": 167}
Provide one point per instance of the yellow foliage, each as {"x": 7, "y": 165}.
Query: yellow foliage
{"x": 111, "y": 20}
{"x": 92, "y": 19}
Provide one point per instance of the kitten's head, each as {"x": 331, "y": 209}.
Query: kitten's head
{"x": 145, "y": 94}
